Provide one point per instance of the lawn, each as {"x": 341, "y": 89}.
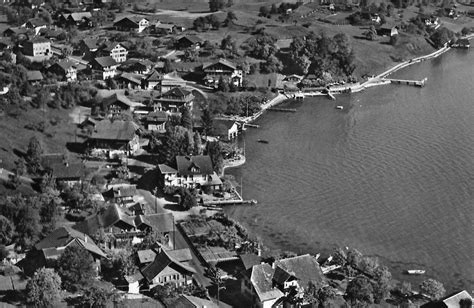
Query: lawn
{"x": 14, "y": 136}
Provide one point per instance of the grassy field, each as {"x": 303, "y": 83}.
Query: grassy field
{"x": 14, "y": 137}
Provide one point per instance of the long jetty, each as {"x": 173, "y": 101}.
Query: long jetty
{"x": 416, "y": 83}
{"x": 282, "y": 109}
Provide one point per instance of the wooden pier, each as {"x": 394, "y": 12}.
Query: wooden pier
{"x": 251, "y": 125}
{"x": 220, "y": 203}
{"x": 416, "y": 83}
{"x": 282, "y": 109}
{"x": 331, "y": 96}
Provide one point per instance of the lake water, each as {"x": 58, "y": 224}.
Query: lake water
{"x": 391, "y": 175}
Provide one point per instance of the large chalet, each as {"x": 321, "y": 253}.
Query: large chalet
{"x": 114, "y": 138}
{"x": 193, "y": 172}
{"x": 222, "y": 69}
{"x": 176, "y": 98}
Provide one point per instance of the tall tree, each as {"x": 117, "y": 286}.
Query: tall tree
{"x": 186, "y": 118}
{"x": 7, "y": 230}
{"x": 197, "y": 144}
{"x": 44, "y": 289}
{"x": 381, "y": 285}
{"x": 214, "y": 150}
{"x": 76, "y": 267}
{"x": 33, "y": 155}
{"x": 96, "y": 296}
{"x": 360, "y": 290}
{"x": 433, "y": 288}
{"x": 207, "y": 120}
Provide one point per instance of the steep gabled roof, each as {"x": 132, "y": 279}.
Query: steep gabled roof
{"x": 91, "y": 43}
{"x": 117, "y": 97}
{"x": 34, "y": 75}
{"x": 111, "y": 45}
{"x": 261, "y": 279}
{"x": 154, "y": 76}
{"x": 158, "y": 222}
{"x": 78, "y": 16}
{"x": 203, "y": 163}
{"x": 162, "y": 261}
{"x": 158, "y": 116}
{"x": 116, "y": 130}
{"x": 305, "y": 268}
{"x": 164, "y": 169}
{"x": 221, "y": 61}
{"x": 65, "y": 64}
{"x": 105, "y": 61}
{"x": 177, "y": 92}
{"x": 63, "y": 236}
{"x": 194, "y": 39}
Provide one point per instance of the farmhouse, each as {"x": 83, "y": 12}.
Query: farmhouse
{"x": 114, "y": 138}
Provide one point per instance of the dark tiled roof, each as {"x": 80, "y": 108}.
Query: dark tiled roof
{"x": 305, "y": 268}
{"x": 159, "y": 222}
{"x": 162, "y": 261}
{"x": 111, "y": 45}
{"x": 68, "y": 171}
{"x": 202, "y": 163}
{"x": 194, "y": 39}
{"x": 261, "y": 278}
{"x": 158, "y": 116}
{"x": 177, "y": 92}
{"x": 116, "y": 130}
{"x": 164, "y": 169}
{"x": 117, "y": 97}
{"x": 37, "y": 22}
{"x": 153, "y": 76}
{"x": 78, "y": 16}
{"x": 61, "y": 237}
{"x": 34, "y": 75}
{"x": 65, "y": 64}
{"x": 249, "y": 260}
{"x": 105, "y": 61}
{"x": 39, "y": 40}
{"x": 221, "y": 61}
{"x": 90, "y": 43}
{"x": 131, "y": 78}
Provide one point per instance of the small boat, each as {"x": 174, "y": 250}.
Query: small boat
{"x": 253, "y": 202}
{"x": 339, "y": 107}
{"x": 416, "y": 272}
{"x": 262, "y": 141}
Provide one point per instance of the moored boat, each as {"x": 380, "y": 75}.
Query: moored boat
{"x": 416, "y": 272}
{"x": 339, "y": 107}
{"x": 262, "y": 141}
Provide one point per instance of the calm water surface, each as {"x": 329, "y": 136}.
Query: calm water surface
{"x": 391, "y": 175}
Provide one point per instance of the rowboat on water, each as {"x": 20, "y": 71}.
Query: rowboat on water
{"x": 339, "y": 107}
{"x": 416, "y": 272}
{"x": 262, "y": 141}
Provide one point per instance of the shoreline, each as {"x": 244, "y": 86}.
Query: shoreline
{"x": 395, "y": 264}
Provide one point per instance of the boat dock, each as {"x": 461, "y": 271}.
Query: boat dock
{"x": 251, "y": 125}
{"x": 331, "y": 96}
{"x": 228, "y": 202}
{"x": 416, "y": 83}
{"x": 282, "y": 109}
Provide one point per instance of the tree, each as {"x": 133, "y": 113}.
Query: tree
{"x": 264, "y": 11}
{"x": 432, "y": 288}
{"x": 465, "y": 303}
{"x": 188, "y": 199}
{"x": 207, "y": 120}
{"x": 273, "y": 64}
{"x": 360, "y": 290}
{"x": 216, "y": 5}
{"x": 27, "y": 224}
{"x": 371, "y": 34}
{"x": 273, "y": 9}
{"x": 214, "y": 150}
{"x": 222, "y": 85}
{"x": 76, "y": 267}
{"x": 394, "y": 39}
{"x": 442, "y": 36}
{"x": 96, "y": 296}
{"x": 229, "y": 18}
{"x": 197, "y": 144}
{"x": 381, "y": 286}
{"x": 6, "y": 230}
{"x": 41, "y": 99}
{"x": 123, "y": 262}
{"x": 186, "y": 118}
{"x": 33, "y": 155}
{"x": 44, "y": 289}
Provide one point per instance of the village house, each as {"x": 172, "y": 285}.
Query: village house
{"x": 226, "y": 130}
{"x": 106, "y": 66}
{"x": 156, "y": 121}
{"x": 128, "y": 81}
{"x": 49, "y": 249}
{"x": 221, "y": 69}
{"x": 193, "y": 172}
{"x": 65, "y": 69}
{"x": 176, "y": 98}
{"x": 88, "y": 46}
{"x": 114, "y": 138}
{"x": 387, "y": 30}
{"x": 122, "y": 227}
{"x": 151, "y": 81}
{"x": 34, "y": 77}
{"x": 62, "y": 170}
{"x": 189, "y": 41}
{"x": 137, "y": 66}
{"x": 36, "y": 24}
{"x": 117, "y": 104}
{"x": 115, "y": 50}
{"x": 164, "y": 29}
{"x": 170, "y": 81}
{"x": 136, "y": 24}
{"x": 167, "y": 270}
{"x": 188, "y": 301}
{"x": 37, "y": 47}
{"x": 12, "y": 279}
{"x": 267, "y": 285}
{"x": 147, "y": 256}
{"x": 122, "y": 194}
{"x": 78, "y": 19}
{"x": 20, "y": 33}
